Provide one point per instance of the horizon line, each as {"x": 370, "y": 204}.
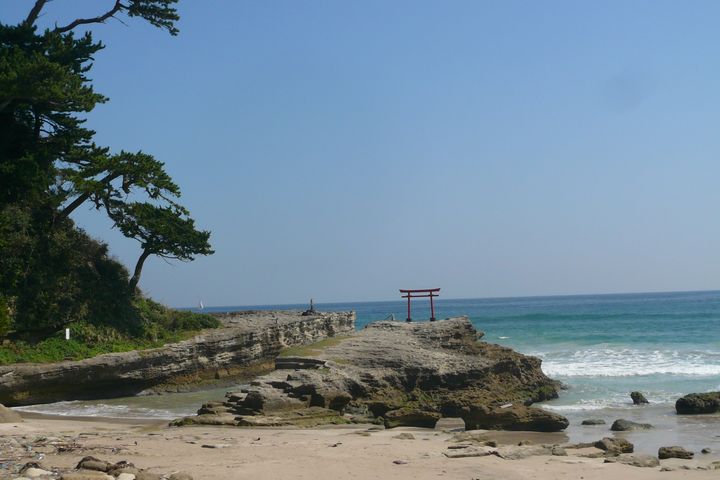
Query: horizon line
{"x": 508, "y": 297}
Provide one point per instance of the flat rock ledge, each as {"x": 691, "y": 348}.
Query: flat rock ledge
{"x": 244, "y": 347}
{"x": 396, "y": 374}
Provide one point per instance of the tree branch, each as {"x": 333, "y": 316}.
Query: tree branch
{"x": 84, "y": 21}
{"x": 81, "y": 199}
{"x": 35, "y": 12}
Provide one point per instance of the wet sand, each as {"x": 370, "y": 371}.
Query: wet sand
{"x": 314, "y": 454}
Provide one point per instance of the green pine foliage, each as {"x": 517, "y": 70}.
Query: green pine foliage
{"x": 52, "y": 273}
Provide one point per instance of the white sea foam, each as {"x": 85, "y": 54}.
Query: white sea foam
{"x": 83, "y": 409}
{"x": 624, "y": 362}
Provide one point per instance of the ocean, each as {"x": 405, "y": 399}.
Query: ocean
{"x": 601, "y": 347}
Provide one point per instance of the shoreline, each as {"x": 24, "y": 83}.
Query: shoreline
{"x": 359, "y": 451}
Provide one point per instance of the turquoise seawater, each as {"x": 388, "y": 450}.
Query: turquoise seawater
{"x": 600, "y": 346}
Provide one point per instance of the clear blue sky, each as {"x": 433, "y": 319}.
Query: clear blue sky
{"x": 342, "y": 150}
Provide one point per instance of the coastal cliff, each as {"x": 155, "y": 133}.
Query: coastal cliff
{"x": 398, "y": 374}
{"x": 245, "y": 345}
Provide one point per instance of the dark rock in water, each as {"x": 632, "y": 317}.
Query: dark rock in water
{"x": 9, "y": 416}
{"x": 517, "y": 417}
{"x": 405, "y": 373}
{"x": 696, "y": 403}
{"x": 638, "y": 398}
{"x": 647, "y": 461}
{"x": 705, "y": 450}
{"x": 593, "y": 421}
{"x": 410, "y": 417}
{"x": 614, "y": 446}
{"x": 675, "y": 452}
{"x": 622, "y": 425}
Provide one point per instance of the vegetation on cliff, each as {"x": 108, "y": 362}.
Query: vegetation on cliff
{"x": 53, "y": 274}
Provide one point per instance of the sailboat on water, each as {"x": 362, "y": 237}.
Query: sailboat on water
{"x": 201, "y": 306}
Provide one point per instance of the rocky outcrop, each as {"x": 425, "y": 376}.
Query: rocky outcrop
{"x": 696, "y": 403}
{"x": 401, "y": 374}
{"x": 516, "y": 417}
{"x": 638, "y": 398}
{"x": 622, "y": 425}
{"x": 675, "y": 452}
{"x": 247, "y": 344}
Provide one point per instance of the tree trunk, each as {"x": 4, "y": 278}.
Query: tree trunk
{"x": 138, "y": 270}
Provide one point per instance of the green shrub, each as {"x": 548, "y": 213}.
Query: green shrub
{"x": 5, "y": 319}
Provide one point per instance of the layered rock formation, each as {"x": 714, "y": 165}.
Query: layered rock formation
{"x": 401, "y": 374}
{"x": 247, "y": 344}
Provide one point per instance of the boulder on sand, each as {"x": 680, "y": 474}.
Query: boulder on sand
{"x": 614, "y": 446}
{"x": 675, "y": 452}
{"x": 638, "y": 398}
{"x": 696, "y": 403}
{"x": 623, "y": 425}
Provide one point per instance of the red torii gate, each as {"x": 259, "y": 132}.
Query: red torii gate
{"x": 423, "y": 292}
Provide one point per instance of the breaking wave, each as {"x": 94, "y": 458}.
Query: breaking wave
{"x": 625, "y": 362}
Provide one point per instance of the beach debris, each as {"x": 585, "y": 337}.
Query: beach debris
{"x": 638, "y": 398}
{"x": 400, "y": 462}
{"x": 622, "y": 425}
{"x": 335, "y": 444}
{"x": 614, "y": 446}
{"x": 675, "y": 452}
{"x": 696, "y": 403}
{"x": 647, "y": 461}
{"x": 507, "y": 405}
{"x": 215, "y": 445}
{"x": 593, "y": 421}
{"x": 405, "y": 436}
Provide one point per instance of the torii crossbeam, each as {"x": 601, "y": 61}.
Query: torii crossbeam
{"x": 419, "y": 293}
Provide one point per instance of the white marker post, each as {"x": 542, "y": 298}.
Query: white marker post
{"x": 67, "y": 334}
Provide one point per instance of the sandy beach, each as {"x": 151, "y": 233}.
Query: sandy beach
{"x": 363, "y": 452}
